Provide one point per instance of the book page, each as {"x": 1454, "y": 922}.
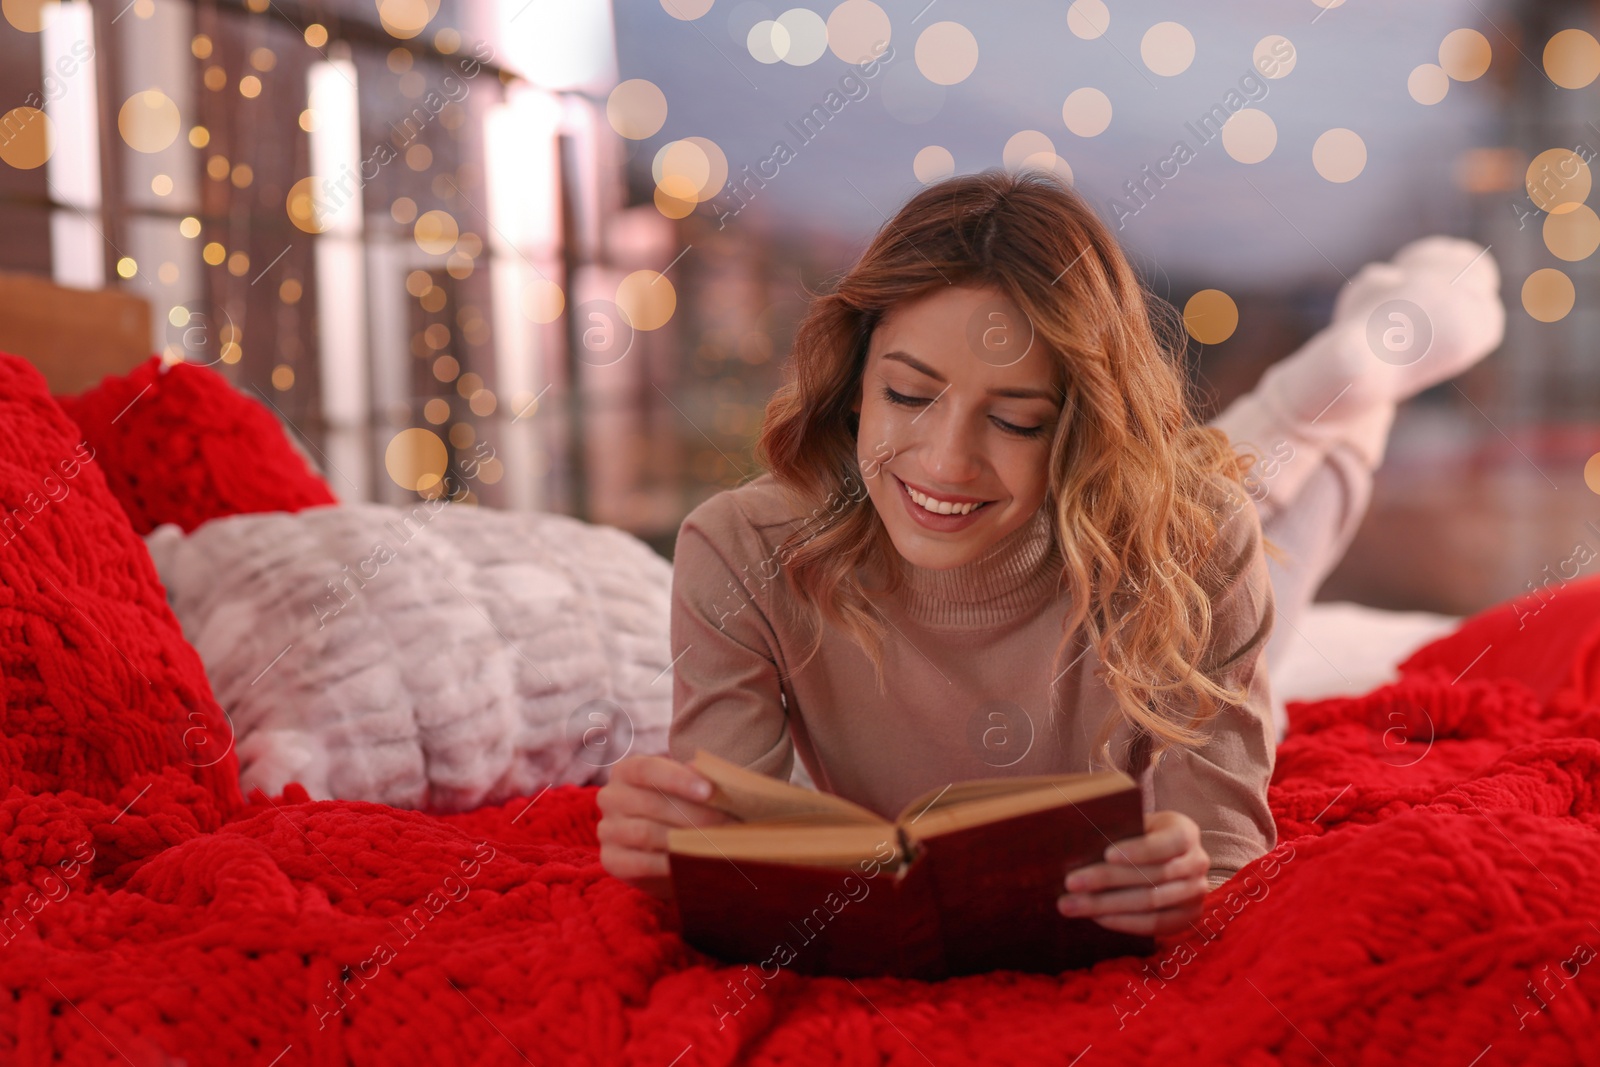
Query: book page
{"x": 812, "y": 846}
{"x": 982, "y": 801}
{"x": 753, "y": 797}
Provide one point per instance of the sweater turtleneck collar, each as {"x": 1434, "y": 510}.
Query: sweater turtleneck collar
{"x": 1015, "y": 574}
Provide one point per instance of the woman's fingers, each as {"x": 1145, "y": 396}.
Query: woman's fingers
{"x": 627, "y": 861}
{"x": 624, "y": 831}
{"x": 666, "y": 774}
{"x": 679, "y": 812}
{"x": 1149, "y": 884}
{"x": 659, "y": 789}
{"x": 1138, "y": 898}
{"x": 1109, "y": 875}
{"x": 635, "y": 850}
{"x": 1167, "y": 834}
{"x": 643, "y": 800}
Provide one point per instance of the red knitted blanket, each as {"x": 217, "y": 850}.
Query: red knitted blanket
{"x": 1417, "y": 912}
{"x": 1432, "y": 900}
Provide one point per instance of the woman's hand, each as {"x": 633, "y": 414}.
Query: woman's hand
{"x": 1152, "y": 884}
{"x": 644, "y": 798}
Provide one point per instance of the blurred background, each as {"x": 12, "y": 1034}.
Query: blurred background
{"x": 580, "y": 234}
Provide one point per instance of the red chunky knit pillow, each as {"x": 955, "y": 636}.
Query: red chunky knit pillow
{"x": 97, "y": 684}
{"x": 182, "y": 445}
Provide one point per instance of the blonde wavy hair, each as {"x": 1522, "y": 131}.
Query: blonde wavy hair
{"x": 1132, "y": 473}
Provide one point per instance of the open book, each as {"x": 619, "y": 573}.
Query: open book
{"x": 964, "y": 880}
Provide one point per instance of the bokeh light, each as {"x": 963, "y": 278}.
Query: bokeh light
{"x": 436, "y": 232}
{"x": 687, "y": 10}
{"x": 1464, "y": 54}
{"x": 767, "y": 42}
{"x": 855, "y": 30}
{"x": 690, "y": 169}
{"x": 1572, "y": 58}
{"x": 1211, "y": 316}
{"x": 646, "y": 299}
{"x": 416, "y": 458}
{"x": 1572, "y": 235}
{"x": 1340, "y": 155}
{"x": 933, "y": 163}
{"x": 303, "y": 208}
{"x": 28, "y": 138}
{"x": 405, "y": 19}
{"x": 29, "y": 16}
{"x": 1591, "y": 473}
{"x": 543, "y": 301}
{"x": 1087, "y": 112}
{"x": 1249, "y": 135}
{"x": 1024, "y": 145}
{"x": 1558, "y": 180}
{"x": 1167, "y": 48}
{"x": 1274, "y": 56}
{"x": 807, "y": 35}
{"x": 636, "y": 109}
{"x": 1548, "y": 294}
{"x": 1088, "y": 19}
{"x": 947, "y": 53}
{"x": 1428, "y": 83}
{"x": 148, "y": 121}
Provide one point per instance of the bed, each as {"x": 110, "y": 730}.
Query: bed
{"x": 1431, "y": 899}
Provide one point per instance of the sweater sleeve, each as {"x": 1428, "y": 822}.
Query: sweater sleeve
{"x": 726, "y": 693}
{"x": 1222, "y": 784}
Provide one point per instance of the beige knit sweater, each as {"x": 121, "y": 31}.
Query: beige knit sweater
{"x": 969, "y": 674}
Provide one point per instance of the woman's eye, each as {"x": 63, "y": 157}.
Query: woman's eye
{"x": 1020, "y": 431}
{"x": 900, "y": 398}
{"x": 913, "y": 401}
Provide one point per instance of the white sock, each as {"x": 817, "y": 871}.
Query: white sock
{"x": 1439, "y": 297}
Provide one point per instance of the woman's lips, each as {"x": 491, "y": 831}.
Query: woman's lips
{"x": 933, "y": 520}
{"x": 954, "y": 498}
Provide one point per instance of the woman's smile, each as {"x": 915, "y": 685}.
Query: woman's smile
{"x": 943, "y": 514}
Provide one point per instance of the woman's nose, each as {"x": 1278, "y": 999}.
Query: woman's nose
{"x": 953, "y": 456}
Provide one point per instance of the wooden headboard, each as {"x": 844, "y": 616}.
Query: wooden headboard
{"x": 74, "y": 336}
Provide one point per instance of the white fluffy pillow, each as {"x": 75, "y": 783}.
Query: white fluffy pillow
{"x": 436, "y": 657}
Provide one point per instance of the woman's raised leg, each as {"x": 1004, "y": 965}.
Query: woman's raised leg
{"x": 1320, "y": 417}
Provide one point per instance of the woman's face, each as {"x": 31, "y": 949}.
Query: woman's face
{"x": 958, "y": 405}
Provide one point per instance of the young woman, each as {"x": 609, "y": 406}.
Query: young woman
{"x": 992, "y": 539}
